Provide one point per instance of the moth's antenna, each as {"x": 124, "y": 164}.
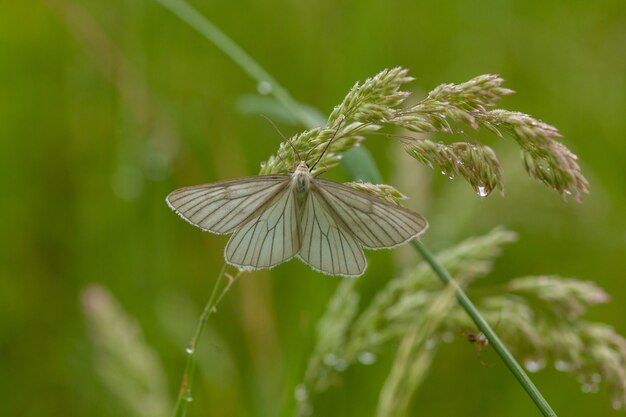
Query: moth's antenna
{"x": 295, "y": 151}
{"x": 327, "y": 144}
{"x": 282, "y": 159}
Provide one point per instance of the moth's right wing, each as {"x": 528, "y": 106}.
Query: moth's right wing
{"x": 374, "y": 222}
{"x": 222, "y": 207}
{"x": 326, "y": 244}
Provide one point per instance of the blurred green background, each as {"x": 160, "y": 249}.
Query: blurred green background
{"x": 107, "y": 106}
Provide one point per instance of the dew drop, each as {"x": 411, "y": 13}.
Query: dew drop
{"x": 301, "y": 394}
{"x": 189, "y": 398}
{"x": 562, "y": 366}
{"x": 367, "y": 358}
{"x": 341, "y": 365}
{"x": 430, "y": 344}
{"x": 189, "y": 348}
{"x": 482, "y": 191}
{"x": 534, "y": 365}
{"x": 306, "y": 410}
{"x": 264, "y": 87}
{"x": 330, "y": 359}
{"x": 447, "y": 337}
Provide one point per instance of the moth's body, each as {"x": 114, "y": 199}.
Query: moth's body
{"x": 276, "y": 217}
{"x": 301, "y": 184}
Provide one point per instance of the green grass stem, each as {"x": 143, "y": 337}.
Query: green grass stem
{"x": 184, "y": 395}
{"x": 484, "y": 327}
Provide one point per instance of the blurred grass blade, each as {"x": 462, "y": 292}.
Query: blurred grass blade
{"x": 347, "y": 335}
{"x": 255, "y": 104}
{"x": 212, "y": 33}
{"x": 125, "y": 363}
{"x": 413, "y": 358}
{"x": 359, "y": 165}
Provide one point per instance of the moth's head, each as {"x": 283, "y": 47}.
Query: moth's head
{"x": 302, "y": 166}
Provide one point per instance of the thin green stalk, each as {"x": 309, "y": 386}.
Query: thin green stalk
{"x": 484, "y": 327}
{"x": 194, "y": 19}
{"x": 184, "y": 395}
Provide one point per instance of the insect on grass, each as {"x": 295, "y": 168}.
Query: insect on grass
{"x": 274, "y": 218}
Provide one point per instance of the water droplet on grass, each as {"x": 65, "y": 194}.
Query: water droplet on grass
{"x": 341, "y": 365}
{"x": 330, "y": 359}
{"x": 430, "y": 344}
{"x": 301, "y": 394}
{"x": 367, "y": 358}
{"x": 306, "y": 410}
{"x": 562, "y": 366}
{"x": 264, "y": 87}
{"x": 447, "y": 337}
{"x": 534, "y": 365}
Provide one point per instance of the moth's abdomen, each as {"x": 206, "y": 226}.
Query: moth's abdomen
{"x": 301, "y": 184}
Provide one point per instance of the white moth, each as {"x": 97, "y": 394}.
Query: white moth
{"x": 276, "y": 217}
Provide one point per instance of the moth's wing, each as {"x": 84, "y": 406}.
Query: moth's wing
{"x": 224, "y": 206}
{"x": 326, "y": 245}
{"x": 269, "y": 238}
{"x": 374, "y": 222}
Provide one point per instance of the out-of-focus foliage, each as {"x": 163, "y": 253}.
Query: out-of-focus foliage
{"x": 108, "y": 106}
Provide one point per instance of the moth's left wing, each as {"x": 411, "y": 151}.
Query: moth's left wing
{"x": 374, "y": 222}
{"x": 269, "y": 238}
{"x": 224, "y": 206}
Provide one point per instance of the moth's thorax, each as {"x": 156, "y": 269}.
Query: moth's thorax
{"x": 301, "y": 180}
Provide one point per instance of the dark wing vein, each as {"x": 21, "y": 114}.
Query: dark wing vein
{"x": 268, "y": 239}
{"x": 374, "y": 222}
{"x": 327, "y": 246}
{"x": 225, "y": 206}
